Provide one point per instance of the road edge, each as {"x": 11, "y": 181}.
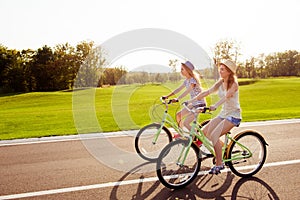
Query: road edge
{"x": 120, "y": 133}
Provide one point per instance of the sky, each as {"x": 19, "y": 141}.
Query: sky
{"x": 260, "y": 26}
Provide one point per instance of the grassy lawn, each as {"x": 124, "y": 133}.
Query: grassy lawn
{"x": 129, "y": 107}
{"x": 270, "y": 99}
{"x": 36, "y": 114}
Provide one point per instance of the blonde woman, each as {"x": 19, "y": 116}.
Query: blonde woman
{"x": 192, "y": 86}
{"x": 230, "y": 114}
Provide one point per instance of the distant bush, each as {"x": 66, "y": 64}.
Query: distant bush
{"x": 247, "y": 81}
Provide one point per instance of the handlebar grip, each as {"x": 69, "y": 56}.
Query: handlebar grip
{"x": 205, "y": 109}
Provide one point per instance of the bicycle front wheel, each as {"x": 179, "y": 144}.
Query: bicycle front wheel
{"x": 170, "y": 170}
{"x": 248, "y": 153}
{"x": 147, "y": 146}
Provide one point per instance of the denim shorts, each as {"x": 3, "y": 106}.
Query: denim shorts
{"x": 199, "y": 105}
{"x": 235, "y": 121}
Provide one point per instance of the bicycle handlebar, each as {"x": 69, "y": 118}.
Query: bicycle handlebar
{"x": 164, "y": 100}
{"x": 202, "y": 109}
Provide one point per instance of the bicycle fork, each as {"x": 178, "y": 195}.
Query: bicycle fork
{"x": 157, "y": 134}
{"x": 183, "y": 153}
{"x": 185, "y": 149}
{"x": 160, "y": 128}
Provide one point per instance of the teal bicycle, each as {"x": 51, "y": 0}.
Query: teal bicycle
{"x": 179, "y": 162}
{"x": 152, "y": 138}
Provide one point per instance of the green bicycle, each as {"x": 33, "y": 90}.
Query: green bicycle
{"x": 152, "y": 138}
{"x": 179, "y": 162}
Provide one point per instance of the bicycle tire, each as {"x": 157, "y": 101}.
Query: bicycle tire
{"x": 247, "y": 167}
{"x": 170, "y": 173}
{"x": 144, "y": 145}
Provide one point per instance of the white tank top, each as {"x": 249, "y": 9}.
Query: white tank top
{"x": 231, "y": 107}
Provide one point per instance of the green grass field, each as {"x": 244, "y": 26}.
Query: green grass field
{"x": 41, "y": 114}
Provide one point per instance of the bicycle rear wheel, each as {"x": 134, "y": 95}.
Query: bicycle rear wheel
{"x": 172, "y": 174}
{"x": 145, "y": 145}
{"x": 247, "y": 161}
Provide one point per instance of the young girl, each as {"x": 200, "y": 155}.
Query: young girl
{"x": 229, "y": 116}
{"x": 193, "y": 86}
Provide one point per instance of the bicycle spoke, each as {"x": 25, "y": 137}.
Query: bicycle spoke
{"x": 177, "y": 174}
{"x": 149, "y": 141}
{"x": 247, "y": 155}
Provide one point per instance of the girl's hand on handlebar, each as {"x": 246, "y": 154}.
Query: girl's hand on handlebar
{"x": 185, "y": 103}
{"x": 212, "y": 108}
{"x": 175, "y": 100}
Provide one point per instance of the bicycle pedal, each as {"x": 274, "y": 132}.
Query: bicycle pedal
{"x": 216, "y": 173}
{"x": 208, "y": 155}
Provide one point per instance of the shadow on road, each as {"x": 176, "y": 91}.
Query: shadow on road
{"x": 204, "y": 187}
{"x": 253, "y": 188}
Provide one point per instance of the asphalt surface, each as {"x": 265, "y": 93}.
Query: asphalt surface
{"x": 97, "y": 167}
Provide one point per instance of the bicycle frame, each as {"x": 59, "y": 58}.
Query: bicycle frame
{"x": 200, "y": 135}
{"x": 167, "y": 118}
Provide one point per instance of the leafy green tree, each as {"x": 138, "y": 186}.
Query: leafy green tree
{"x": 250, "y": 68}
{"x": 26, "y": 60}
{"x": 225, "y": 49}
{"x": 113, "y": 76}
{"x": 261, "y": 65}
{"x": 172, "y": 64}
{"x": 297, "y": 64}
{"x": 65, "y": 64}
{"x": 43, "y": 69}
{"x": 5, "y": 63}
{"x": 174, "y": 76}
{"x": 11, "y": 71}
{"x": 91, "y": 62}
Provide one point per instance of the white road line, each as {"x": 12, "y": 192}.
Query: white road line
{"x": 113, "y": 184}
{"x": 119, "y": 134}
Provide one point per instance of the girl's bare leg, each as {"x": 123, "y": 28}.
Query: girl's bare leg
{"x": 211, "y": 126}
{"x": 180, "y": 115}
{"x": 188, "y": 120}
{"x": 223, "y": 127}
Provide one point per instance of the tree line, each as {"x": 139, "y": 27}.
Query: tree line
{"x": 263, "y": 66}
{"x": 44, "y": 69}
{"x": 65, "y": 67}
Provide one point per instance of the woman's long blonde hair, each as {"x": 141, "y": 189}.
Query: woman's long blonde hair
{"x": 231, "y": 79}
{"x": 193, "y": 74}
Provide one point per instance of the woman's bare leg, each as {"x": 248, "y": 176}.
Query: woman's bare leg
{"x": 180, "y": 115}
{"x": 207, "y": 130}
{"x": 223, "y": 127}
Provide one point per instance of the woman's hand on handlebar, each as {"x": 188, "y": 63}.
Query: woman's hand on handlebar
{"x": 188, "y": 106}
{"x": 169, "y": 101}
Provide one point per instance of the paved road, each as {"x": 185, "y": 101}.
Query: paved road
{"x": 102, "y": 168}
